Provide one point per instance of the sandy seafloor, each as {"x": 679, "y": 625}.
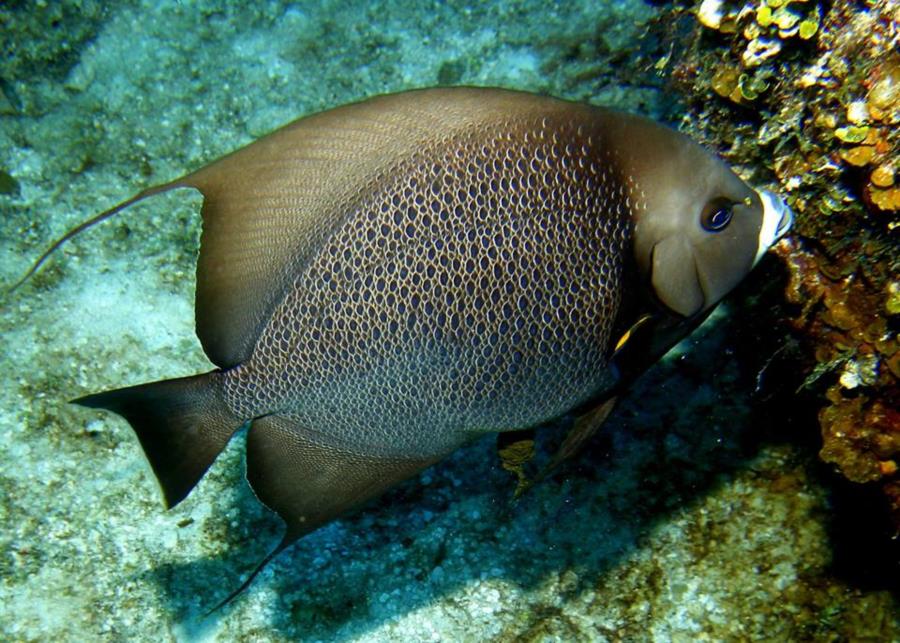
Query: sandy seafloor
{"x": 679, "y": 523}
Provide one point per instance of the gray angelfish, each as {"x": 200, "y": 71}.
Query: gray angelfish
{"x": 380, "y": 283}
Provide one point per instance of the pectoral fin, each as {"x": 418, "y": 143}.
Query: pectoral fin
{"x": 310, "y": 484}
{"x": 675, "y": 280}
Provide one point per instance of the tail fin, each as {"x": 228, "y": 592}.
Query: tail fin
{"x": 182, "y": 425}
{"x": 84, "y": 225}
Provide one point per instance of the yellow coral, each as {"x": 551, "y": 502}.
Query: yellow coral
{"x": 882, "y": 176}
{"x": 852, "y": 134}
{"x": 858, "y": 156}
{"x": 887, "y": 200}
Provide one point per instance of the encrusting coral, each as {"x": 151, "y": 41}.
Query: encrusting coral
{"x": 807, "y": 95}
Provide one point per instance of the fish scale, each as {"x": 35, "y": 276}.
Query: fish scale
{"x": 482, "y": 299}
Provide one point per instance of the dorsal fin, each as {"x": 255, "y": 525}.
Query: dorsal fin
{"x": 270, "y": 204}
{"x": 84, "y": 225}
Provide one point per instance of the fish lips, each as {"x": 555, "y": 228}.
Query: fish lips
{"x": 777, "y": 220}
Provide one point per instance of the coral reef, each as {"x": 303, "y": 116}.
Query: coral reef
{"x": 807, "y": 96}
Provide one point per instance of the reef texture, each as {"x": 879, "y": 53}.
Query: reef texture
{"x": 806, "y": 96}
{"x": 694, "y": 515}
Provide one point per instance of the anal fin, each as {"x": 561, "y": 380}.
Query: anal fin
{"x": 309, "y": 484}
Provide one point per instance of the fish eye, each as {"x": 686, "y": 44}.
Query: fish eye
{"x": 717, "y": 215}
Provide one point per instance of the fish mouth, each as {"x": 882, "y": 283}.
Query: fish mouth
{"x": 777, "y": 220}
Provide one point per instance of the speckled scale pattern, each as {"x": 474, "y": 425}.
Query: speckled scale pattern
{"x": 472, "y": 288}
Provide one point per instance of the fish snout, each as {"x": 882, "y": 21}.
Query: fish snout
{"x": 777, "y": 220}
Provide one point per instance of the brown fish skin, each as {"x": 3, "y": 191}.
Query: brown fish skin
{"x": 385, "y": 281}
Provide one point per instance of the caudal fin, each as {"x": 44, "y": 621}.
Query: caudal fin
{"x": 182, "y": 425}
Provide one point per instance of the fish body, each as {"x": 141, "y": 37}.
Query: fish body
{"x": 468, "y": 293}
{"x": 380, "y": 283}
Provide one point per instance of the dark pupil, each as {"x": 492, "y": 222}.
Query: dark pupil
{"x": 718, "y": 219}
